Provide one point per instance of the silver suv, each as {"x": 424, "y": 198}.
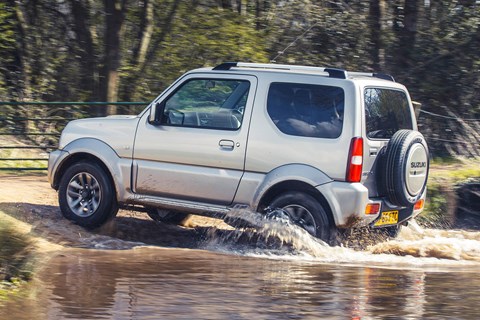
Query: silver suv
{"x": 333, "y": 149}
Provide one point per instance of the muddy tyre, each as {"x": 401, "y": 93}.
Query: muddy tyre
{"x": 305, "y": 211}
{"x": 167, "y": 216}
{"x": 404, "y": 164}
{"x": 86, "y": 195}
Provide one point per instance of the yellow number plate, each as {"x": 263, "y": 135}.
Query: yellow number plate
{"x": 387, "y": 217}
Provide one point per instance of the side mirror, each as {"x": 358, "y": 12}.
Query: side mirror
{"x": 156, "y": 113}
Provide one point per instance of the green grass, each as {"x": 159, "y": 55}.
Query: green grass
{"x": 16, "y": 260}
{"x": 454, "y": 171}
{"x": 445, "y": 175}
{"x": 28, "y": 164}
{"x": 21, "y": 153}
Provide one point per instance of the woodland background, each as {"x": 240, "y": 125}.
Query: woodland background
{"x": 130, "y": 50}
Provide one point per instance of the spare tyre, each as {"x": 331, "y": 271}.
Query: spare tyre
{"x": 404, "y": 168}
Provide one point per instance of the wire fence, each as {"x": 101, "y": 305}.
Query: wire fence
{"x": 448, "y": 134}
{"x": 29, "y": 130}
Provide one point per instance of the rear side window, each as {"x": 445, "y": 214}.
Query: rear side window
{"x": 306, "y": 110}
{"x": 386, "y": 112}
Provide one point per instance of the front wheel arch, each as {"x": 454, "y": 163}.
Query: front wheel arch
{"x": 81, "y": 157}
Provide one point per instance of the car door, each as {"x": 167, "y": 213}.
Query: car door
{"x": 196, "y": 149}
{"x": 387, "y": 110}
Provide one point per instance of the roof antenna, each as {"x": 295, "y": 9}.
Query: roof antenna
{"x": 292, "y": 43}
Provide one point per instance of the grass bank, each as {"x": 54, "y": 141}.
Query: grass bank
{"x": 445, "y": 176}
{"x": 21, "y": 254}
{"x": 16, "y": 257}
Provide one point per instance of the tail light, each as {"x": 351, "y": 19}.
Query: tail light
{"x": 355, "y": 161}
{"x": 419, "y": 205}
{"x": 372, "y": 208}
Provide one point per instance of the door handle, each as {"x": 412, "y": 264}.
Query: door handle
{"x": 226, "y": 144}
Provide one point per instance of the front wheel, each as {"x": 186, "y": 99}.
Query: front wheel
{"x": 86, "y": 195}
{"x": 305, "y": 211}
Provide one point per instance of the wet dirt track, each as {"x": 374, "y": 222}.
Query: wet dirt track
{"x": 427, "y": 275}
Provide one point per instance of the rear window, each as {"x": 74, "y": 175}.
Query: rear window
{"x": 306, "y": 110}
{"x": 386, "y": 112}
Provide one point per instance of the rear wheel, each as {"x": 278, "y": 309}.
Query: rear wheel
{"x": 167, "y": 216}
{"x": 305, "y": 211}
{"x": 86, "y": 195}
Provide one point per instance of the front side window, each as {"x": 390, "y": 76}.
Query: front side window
{"x": 386, "y": 112}
{"x": 306, "y": 110}
{"x": 207, "y": 103}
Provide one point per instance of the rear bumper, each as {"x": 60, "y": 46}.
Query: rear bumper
{"x": 348, "y": 202}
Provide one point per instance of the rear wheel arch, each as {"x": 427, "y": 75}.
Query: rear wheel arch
{"x": 295, "y": 186}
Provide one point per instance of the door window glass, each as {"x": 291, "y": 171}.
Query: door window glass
{"x": 208, "y": 103}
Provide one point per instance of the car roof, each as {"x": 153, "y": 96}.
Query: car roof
{"x": 297, "y": 69}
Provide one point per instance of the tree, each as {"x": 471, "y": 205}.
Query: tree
{"x": 377, "y": 28}
{"x": 132, "y": 49}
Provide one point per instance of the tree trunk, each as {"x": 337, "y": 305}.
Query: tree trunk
{"x": 407, "y": 34}
{"x": 22, "y": 68}
{"x": 145, "y": 33}
{"x": 114, "y": 18}
{"x": 242, "y": 7}
{"x": 376, "y": 17}
{"x": 150, "y": 48}
{"x": 85, "y": 50}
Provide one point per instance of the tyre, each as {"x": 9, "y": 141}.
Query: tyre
{"x": 305, "y": 211}
{"x": 403, "y": 173}
{"x": 167, "y": 216}
{"x": 86, "y": 195}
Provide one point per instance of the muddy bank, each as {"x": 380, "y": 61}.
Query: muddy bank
{"x": 30, "y": 200}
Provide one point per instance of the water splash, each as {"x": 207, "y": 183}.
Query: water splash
{"x": 443, "y": 244}
{"x": 258, "y": 233}
{"x": 279, "y": 238}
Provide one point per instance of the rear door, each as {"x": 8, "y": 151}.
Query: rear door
{"x": 196, "y": 151}
{"x": 387, "y": 110}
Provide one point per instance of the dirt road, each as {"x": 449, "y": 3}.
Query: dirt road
{"x": 31, "y": 199}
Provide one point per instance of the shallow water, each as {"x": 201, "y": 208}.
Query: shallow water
{"x": 193, "y": 284}
{"x": 273, "y": 271}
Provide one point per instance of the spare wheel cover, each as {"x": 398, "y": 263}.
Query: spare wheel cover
{"x": 416, "y": 169}
{"x": 406, "y": 169}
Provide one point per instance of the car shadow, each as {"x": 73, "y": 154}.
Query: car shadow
{"x": 129, "y": 229}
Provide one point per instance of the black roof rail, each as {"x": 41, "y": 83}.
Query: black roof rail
{"x": 225, "y": 66}
{"x": 336, "y": 73}
{"x": 384, "y": 76}
{"x": 332, "y": 72}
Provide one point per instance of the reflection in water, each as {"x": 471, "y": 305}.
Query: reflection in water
{"x": 272, "y": 271}
{"x": 192, "y": 284}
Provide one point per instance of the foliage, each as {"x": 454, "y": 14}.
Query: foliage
{"x": 201, "y": 36}
{"x": 79, "y": 50}
{"x": 15, "y": 256}
{"x": 438, "y": 211}
{"x": 441, "y": 201}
